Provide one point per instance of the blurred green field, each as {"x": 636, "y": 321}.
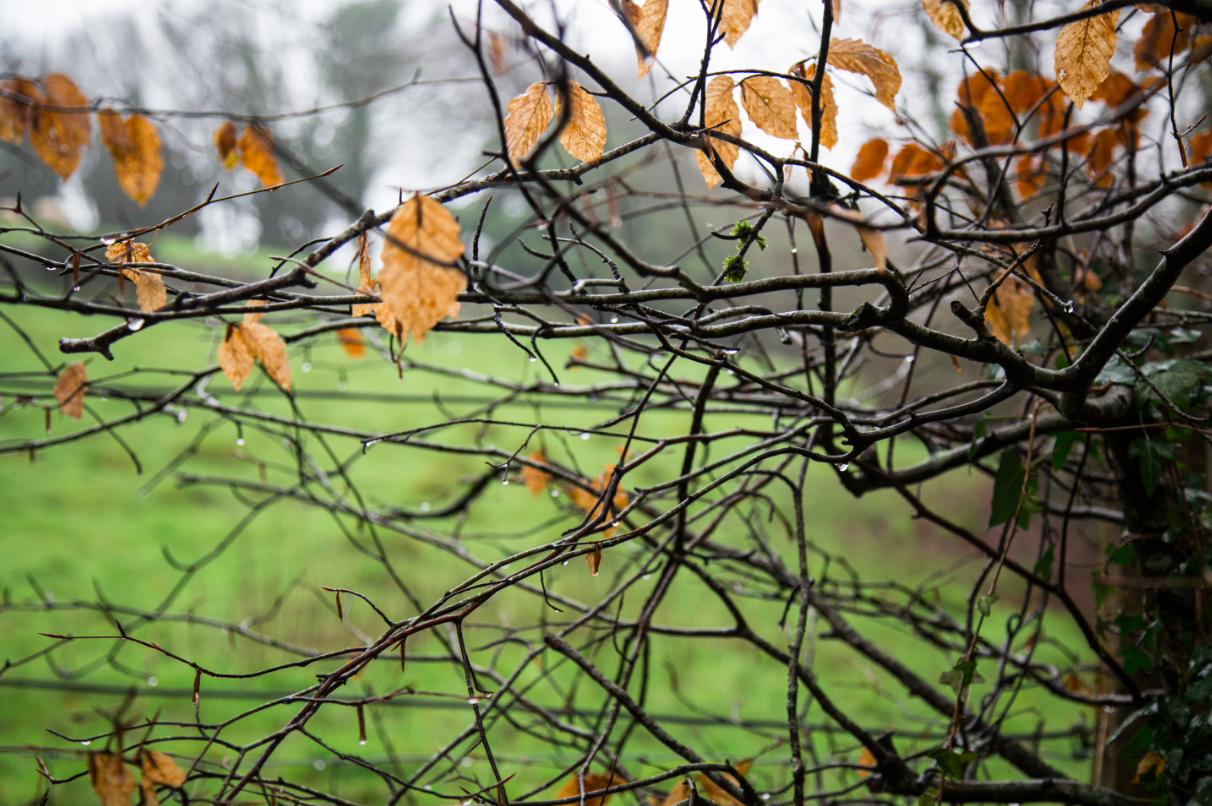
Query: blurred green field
{"x": 78, "y": 523}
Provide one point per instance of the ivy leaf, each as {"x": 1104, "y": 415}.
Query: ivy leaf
{"x": 1150, "y": 454}
{"x": 1007, "y": 487}
{"x": 1063, "y": 446}
{"x": 1043, "y": 566}
{"x": 952, "y": 762}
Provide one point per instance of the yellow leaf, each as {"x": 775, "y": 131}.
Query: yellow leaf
{"x": 235, "y": 356}
{"x": 252, "y": 317}
{"x": 735, "y": 19}
{"x": 803, "y": 99}
{"x": 946, "y": 16}
{"x": 128, "y": 252}
{"x": 351, "y": 339}
{"x": 584, "y": 133}
{"x": 526, "y": 120}
{"x": 1083, "y": 54}
{"x": 594, "y": 559}
{"x": 160, "y": 769}
{"x": 225, "y": 142}
{"x": 869, "y": 163}
{"x": 857, "y": 56}
{"x": 16, "y": 113}
{"x": 535, "y": 478}
{"x": 110, "y": 778}
{"x": 1152, "y": 760}
{"x": 257, "y": 154}
{"x": 268, "y": 346}
{"x": 720, "y": 113}
{"x": 58, "y": 136}
{"x": 648, "y": 22}
{"x": 866, "y": 759}
{"x": 593, "y": 782}
{"x": 70, "y": 387}
{"x": 135, "y": 147}
{"x": 770, "y": 106}
{"x": 417, "y": 291}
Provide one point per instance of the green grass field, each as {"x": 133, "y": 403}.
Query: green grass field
{"x": 78, "y": 523}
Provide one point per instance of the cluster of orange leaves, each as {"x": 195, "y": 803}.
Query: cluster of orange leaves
{"x": 56, "y": 114}
{"x": 114, "y": 783}
{"x": 596, "y": 781}
{"x": 251, "y": 340}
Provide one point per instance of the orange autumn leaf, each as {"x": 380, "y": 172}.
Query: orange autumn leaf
{"x": 350, "y": 339}
{"x": 150, "y": 291}
{"x": 593, "y": 782}
{"x": 1024, "y": 89}
{"x": 973, "y": 92}
{"x": 235, "y": 356}
{"x": 58, "y": 134}
{"x": 1102, "y": 153}
{"x": 716, "y": 792}
{"x": 648, "y": 22}
{"x": 70, "y": 387}
{"x": 866, "y": 757}
{"x": 803, "y": 99}
{"x": 536, "y": 478}
{"x": 1159, "y": 39}
{"x": 946, "y": 16}
{"x": 365, "y": 284}
{"x": 1200, "y": 146}
{"x": 584, "y": 133}
{"x": 913, "y": 162}
{"x": 160, "y": 769}
{"x": 269, "y": 347}
{"x": 1116, "y": 89}
{"x": 1083, "y": 53}
{"x": 869, "y": 164}
{"x": 112, "y": 782}
{"x": 1153, "y": 762}
{"x": 134, "y": 145}
{"x": 225, "y": 142}
{"x": 856, "y": 56}
{"x": 594, "y": 559}
{"x": 1030, "y": 174}
{"x": 16, "y": 113}
{"x": 735, "y": 18}
{"x": 770, "y": 106}
{"x": 720, "y": 113}
{"x": 526, "y": 119}
{"x": 257, "y": 154}
{"x": 417, "y": 291}
{"x": 1009, "y": 313}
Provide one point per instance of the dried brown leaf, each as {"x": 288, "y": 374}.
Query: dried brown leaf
{"x": 536, "y": 480}
{"x": 770, "y": 106}
{"x": 716, "y": 792}
{"x": 1009, "y": 313}
{"x": 803, "y": 99}
{"x": 869, "y": 163}
{"x": 497, "y": 47}
{"x": 417, "y": 291}
{"x": 149, "y": 289}
{"x": 70, "y": 388}
{"x": 160, "y": 769}
{"x": 593, "y": 782}
{"x": 1030, "y": 174}
{"x": 526, "y": 120}
{"x": 128, "y": 252}
{"x": 1159, "y": 39}
{"x": 720, "y": 113}
{"x": 1200, "y": 147}
{"x": 946, "y": 16}
{"x": 1024, "y": 89}
{"x": 235, "y": 356}
{"x": 16, "y": 113}
{"x": 913, "y": 162}
{"x": 857, "y": 56}
{"x": 257, "y": 154}
{"x": 584, "y": 133}
{"x": 58, "y": 135}
{"x": 867, "y": 759}
{"x": 226, "y": 143}
{"x": 111, "y": 780}
{"x": 1152, "y": 761}
{"x": 1101, "y": 155}
{"x": 873, "y": 242}
{"x": 1083, "y": 53}
{"x": 735, "y": 19}
{"x": 269, "y": 347}
{"x": 135, "y": 147}
{"x": 594, "y": 559}
{"x": 648, "y": 21}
